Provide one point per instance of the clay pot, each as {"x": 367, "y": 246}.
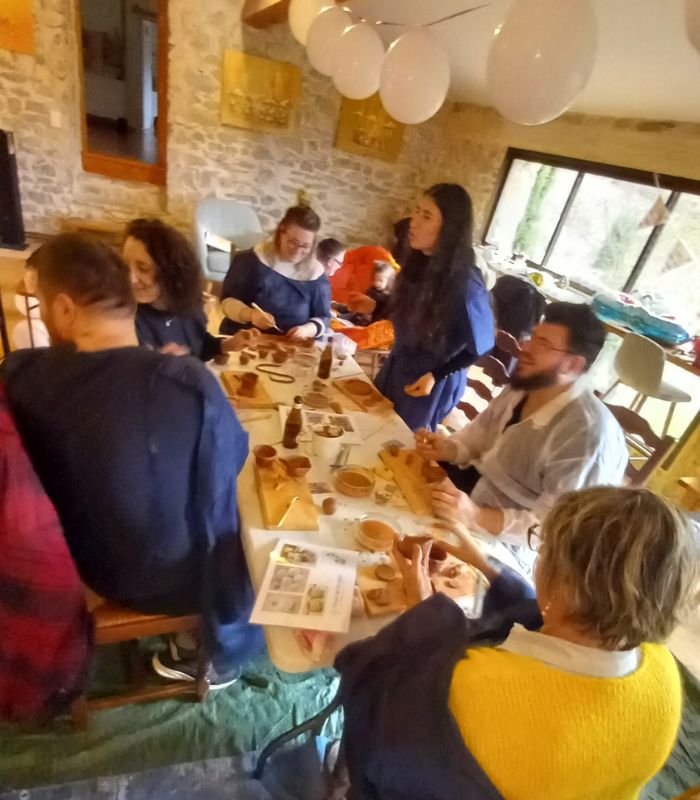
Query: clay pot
{"x": 297, "y": 466}
{"x": 432, "y": 473}
{"x": 437, "y": 554}
{"x": 243, "y": 359}
{"x": 249, "y": 382}
{"x": 280, "y": 356}
{"x": 354, "y": 481}
{"x": 265, "y": 455}
{"x": 221, "y": 359}
{"x": 329, "y": 506}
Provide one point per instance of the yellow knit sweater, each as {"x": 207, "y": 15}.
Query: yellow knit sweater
{"x": 541, "y": 733}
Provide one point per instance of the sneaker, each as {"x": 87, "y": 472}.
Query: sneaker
{"x": 170, "y": 665}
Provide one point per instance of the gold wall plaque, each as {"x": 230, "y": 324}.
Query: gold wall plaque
{"x": 259, "y": 94}
{"x": 366, "y": 128}
{"x": 17, "y": 26}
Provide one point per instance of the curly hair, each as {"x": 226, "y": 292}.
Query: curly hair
{"x": 178, "y": 271}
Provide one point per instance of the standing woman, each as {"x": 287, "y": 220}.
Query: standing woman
{"x": 280, "y": 283}
{"x": 167, "y": 281}
{"x": 440, "y": 310}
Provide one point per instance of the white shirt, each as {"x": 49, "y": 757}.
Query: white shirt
{"x": 572, "y": 442}
{"x": 571, "y": 657}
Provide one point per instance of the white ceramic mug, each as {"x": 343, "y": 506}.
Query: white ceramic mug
{"x": 326, "y": 447}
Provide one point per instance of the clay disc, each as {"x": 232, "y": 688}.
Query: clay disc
{"x": 385, "y": 572}
{"x": 379, "y": 597}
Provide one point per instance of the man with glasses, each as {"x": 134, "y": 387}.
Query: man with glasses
{"x": 547, "y": 433}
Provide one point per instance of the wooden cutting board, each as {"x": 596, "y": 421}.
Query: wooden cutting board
{"x": 232, "y": 382}
{"x": 275, "y": 490}
{"x": 373, "y": 401}
{"x": 407, "y": 467}
{"x": 367, "y": 580}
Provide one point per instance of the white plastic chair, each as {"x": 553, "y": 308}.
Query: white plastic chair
{"x": 229, "y": 219}
{"x": 639, "y": 364}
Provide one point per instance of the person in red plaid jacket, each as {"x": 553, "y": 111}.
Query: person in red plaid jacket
{"x": 45, "y": 631}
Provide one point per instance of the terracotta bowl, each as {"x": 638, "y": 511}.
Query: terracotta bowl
{"x": 265, "y": 455}
{"x": 376, "y": 532}
{"x": 297, "y": 466}
{"x": 354, "y": 481}
{"x": 437, "y": 554}
{"x": 358, "y": 387}
{"x": 280, "y": 356}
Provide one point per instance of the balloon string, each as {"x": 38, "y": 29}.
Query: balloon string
{"x": 434, "y": 22}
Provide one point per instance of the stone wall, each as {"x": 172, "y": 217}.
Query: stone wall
{"x": 358, "y": 198}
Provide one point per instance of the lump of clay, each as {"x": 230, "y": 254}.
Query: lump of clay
{"x": 385, "y": 572}
{"x": 380, "y": 597}
{"x": 329, "y": 506}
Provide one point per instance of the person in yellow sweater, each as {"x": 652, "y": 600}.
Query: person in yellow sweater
{"x": 581, "y": 701}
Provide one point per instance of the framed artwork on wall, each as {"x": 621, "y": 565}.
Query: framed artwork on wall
{"x": 259, "y": 94}
{"x": 365, "y": 128}
{"x": 17, "y": 26}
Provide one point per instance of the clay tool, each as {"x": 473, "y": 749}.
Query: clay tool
{"x": 286, "y": 513}
{"x": 257, "y": 308}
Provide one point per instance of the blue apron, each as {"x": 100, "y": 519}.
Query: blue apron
{"x": 471, "y": 335}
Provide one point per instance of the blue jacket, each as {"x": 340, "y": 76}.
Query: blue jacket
{"x": 400, "y": 740}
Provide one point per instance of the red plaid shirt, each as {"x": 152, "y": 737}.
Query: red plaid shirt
{"x": 44, "y": 624}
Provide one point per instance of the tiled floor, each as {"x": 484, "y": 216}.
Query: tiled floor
{"x": 137, "y": 145}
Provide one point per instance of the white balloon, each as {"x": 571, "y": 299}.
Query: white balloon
{"x": 541, "y": 57}
{"x": 692, "y": 22}
{"x": 357, "y": 61}
{"x": 415, "y": 77}
{"x": 323, "y": 38}
{"x": 302, "y": 13}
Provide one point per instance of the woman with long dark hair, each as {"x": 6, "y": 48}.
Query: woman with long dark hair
{"x": 167, "y": 281}
{"x": 440, "y": 310}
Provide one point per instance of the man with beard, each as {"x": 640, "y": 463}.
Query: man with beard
{"x": 546, "y": 434}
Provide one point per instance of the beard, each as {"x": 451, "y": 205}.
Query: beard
{"x": 540, "y": 380}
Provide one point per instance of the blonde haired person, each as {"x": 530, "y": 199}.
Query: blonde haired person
{"x": 571, "y": 695}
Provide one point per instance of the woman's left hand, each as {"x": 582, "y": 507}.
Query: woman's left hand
{"x": 306, "y": 331}
{"x": 422, "y": 387}
{"x": 239, "y": 341}
{"x": 416, "y": 579}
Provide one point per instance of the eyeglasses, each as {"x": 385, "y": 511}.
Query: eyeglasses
{"x": 338, "y": 261}
{"x": 542, "y": 344}
{"x": 296, "y": 245}
{"x": 534, "y": 540}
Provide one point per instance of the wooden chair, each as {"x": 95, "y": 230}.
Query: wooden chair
{"x": 647, "y": 449}
{"x": 114, "y": 624}
{"x": 496, "y": 372}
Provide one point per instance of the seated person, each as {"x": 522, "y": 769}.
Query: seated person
{"x": 364, "y": 309}
{"x": 571, "y": 694}
{"x": 330, "y": 252}
{"x": 44, "y": 624}
{"x": 545, "y": 434}
{"x": 137, "y": 450}
{"x": 167, "y": 281}
{"x": 279, "y": 285}
{"x": 32, "y": 332}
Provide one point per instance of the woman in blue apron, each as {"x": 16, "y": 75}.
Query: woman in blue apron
{"x": 279, "y": 285}
{"x": 440, "y": 310}
{"x": 167, "y": 281}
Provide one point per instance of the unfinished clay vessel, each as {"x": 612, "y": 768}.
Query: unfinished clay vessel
{"x": 265, "y": 455}
{"x": 329, "y": 506}
{"x": 249, "y": 382}
{"x": 280, "y": 356}
{"x": 297, "y": 466}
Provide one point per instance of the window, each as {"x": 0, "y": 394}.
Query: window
{"x": 603, "y": 227}
{"x": 123, "y": 80}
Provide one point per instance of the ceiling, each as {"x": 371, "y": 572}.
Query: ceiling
{"x": 645, "y": 66}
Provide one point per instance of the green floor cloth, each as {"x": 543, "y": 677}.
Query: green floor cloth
{"x": 243, "y": 717}
{"x": 261, "y": 705}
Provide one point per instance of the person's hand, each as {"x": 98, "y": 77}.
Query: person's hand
{"x": 435, "y": 446}
{"x": 416, "y": 579}
{"x": 422, "y": 387}
{"x": 173, "y": 349}
{"x": 361, "y": 303}
{"x": 306, "y": 331}
{"x": 262, "y": 320}
{"x": 450, "y": 503}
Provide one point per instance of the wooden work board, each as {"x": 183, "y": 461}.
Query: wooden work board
{"x": 407, "y": 466}
{"x": 367, "y": 580}
{"x": 261, "y": 399}
{"x": 374, "y": 400}
{"x": 276, "y": 490}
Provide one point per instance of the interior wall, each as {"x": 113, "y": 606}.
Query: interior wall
{"x": 477, "y": 139}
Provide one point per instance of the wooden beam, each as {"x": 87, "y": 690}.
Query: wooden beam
{"x": 264, "y": 13}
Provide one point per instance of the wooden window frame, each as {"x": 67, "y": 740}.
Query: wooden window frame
{"x": 129, "y": 169}
{"x": 674, "y": 184}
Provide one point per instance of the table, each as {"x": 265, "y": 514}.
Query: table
{"x": 263, "y": 427}
{"x": 673, "y": 356}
